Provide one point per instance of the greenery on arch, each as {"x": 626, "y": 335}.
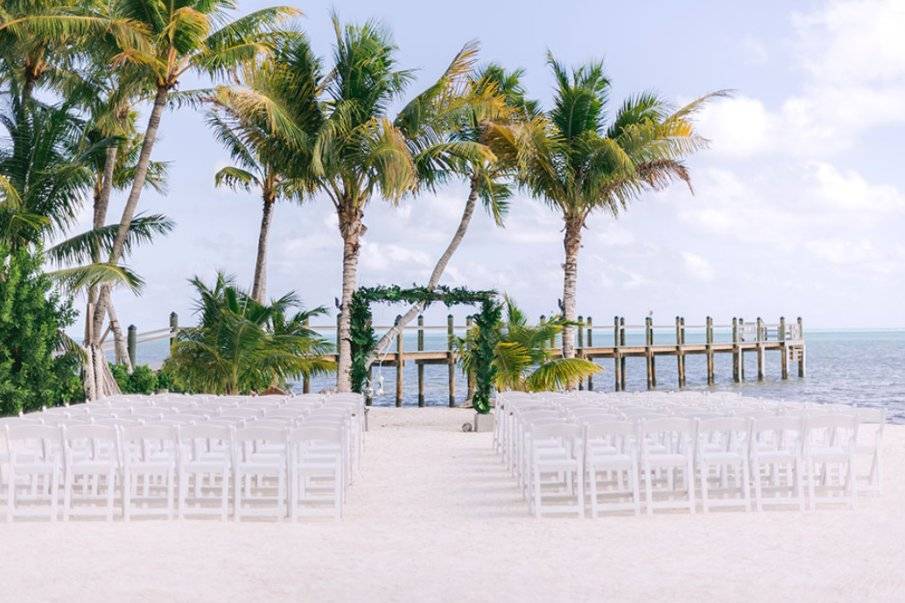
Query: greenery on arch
{"x": 364, "y": 340}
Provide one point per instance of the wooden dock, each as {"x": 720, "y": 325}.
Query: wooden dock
{"x": 737, "y": 338}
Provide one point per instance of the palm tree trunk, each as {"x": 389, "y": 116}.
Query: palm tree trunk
{"x": 101, "y": 202}
{"x": 351, "y": 228}
{"x": 141, "y": 173}
{"x": 260, "y": 281}
{"x": 439, "y": 268}
{"x": 571, "y": 244}
{"x": 121, "y": 351}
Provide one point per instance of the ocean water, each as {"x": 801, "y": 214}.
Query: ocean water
{"x": 866, "y": 368}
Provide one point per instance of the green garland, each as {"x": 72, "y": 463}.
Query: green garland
{"x": 364, "y": 340}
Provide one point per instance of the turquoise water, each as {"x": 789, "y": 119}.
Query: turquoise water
{"x": 850, "y": 367}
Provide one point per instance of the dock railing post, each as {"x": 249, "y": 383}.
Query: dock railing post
{"x": 617, "y": 356}
{"x": 174, "y": 328}
{"x": 801, "y": 354}
{"x": 132, "y": 344}
{"x": 735, "y": 372}
{"x": 420, "y": 364}
{"x": 761, "y": 335}
{"x": 680, "y": 350}
{"x": 590, "y": 334}
{"x": 580, "y": 351}
{"x": 451, "y": 359}
{"x": 400, "y": 362}
{"x": 306, "y": 379}
{"x": 622, "y": 357}
{"x": 708, "y": 338}
{"x": 783, "y": 350}
{"x": 741, "y": 349}
{"x": 649, "y": 353}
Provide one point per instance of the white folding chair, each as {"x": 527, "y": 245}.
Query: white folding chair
{"x": 722, "y": 446}
{"x": 205, "y": 466}
{"x": 774, "y": 452}
{"x": 316, "y": 457}
{"x": 667, "y": 447}
{"x": 259, "y": 472}
{"x": 92, "y": 464}
{"x": 32, "y": 468}
{"x": 611, "y": 466}
{"x": 830, "y": 444}
{"x": 149, "y": 470}
{"x": 870, "y": 436}
{"x": 556, "y": 470}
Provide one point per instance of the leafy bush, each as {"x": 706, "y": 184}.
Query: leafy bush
{"x": 143, "y": 379}
{"x": 38, "y": 365}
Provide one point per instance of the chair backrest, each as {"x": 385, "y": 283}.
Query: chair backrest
{"x": 779, "y": 433}
{"x": 559, "y": 430}
{"x": 724, "y": 434}
{"x": 837, "y": 430}
{"x": 35, "y": 439}
{"x": 673, "y": 435}
{"x": 261, "y": 434}
{"x": 309, "y": 434}
{"x": 99, "y": 442}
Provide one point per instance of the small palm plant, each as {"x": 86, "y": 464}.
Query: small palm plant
{"x": 522, "y": 360}
{"x": 242, "y": 346}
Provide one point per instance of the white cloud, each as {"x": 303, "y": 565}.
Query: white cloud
{"x": 737, "y": 127}
{"x": 698, "y": 267}
{"x": 848, "y": 190}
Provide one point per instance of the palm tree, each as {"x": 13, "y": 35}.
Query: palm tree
{"x": 578, "y": 163}
{"x": 361, "y": 151}
{"x": 521, "y": 359}
{"x": 242, "y": 346}
{"x": 288, "y": 82}
{"x": 493, "y": 100}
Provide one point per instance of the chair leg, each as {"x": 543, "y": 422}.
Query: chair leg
{"x": 689, "y": 481}
{"x": 537, "y": 493}
{"x": 237, "y": 496}
{"x": 649, "y": 494}
{"x": 592, "y": 488}
{"x": 704, "y": 494}
{"x": 746, "y": 485}
{"x": 758, "y": 491}
{"x": 636, "y": 494}
{"x": 579, "y": 477}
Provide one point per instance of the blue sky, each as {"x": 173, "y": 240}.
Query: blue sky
{"x": 799, "y": 205}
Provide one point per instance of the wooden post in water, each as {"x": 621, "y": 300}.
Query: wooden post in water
{"x": 617, "y": 356}
{"x": 801, "y": 360}
{"x": 400, "y": 363}
{"x": 451, "y": 360}
{"x": 470, "y": 377}
{"x": 420, "y": 364}
{"x": 783, "y": 350}
{"x": 649, "y": 353}
{"x": 708, "y": 338}
{"x": 622, "y": 360}
{"x": 741, "y": 350}
{"x": 174, "y": 328}
{"x": 306, "y": 380}
{"x": 132, "y": 344}
{"x": 580, "y": 351}
{"x": 590, "y": 345}
{"x": 680, "y": 353}
{"x": 761, "y": 336}
{"x": 735, "y": 371}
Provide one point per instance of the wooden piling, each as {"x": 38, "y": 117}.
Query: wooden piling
{"x": 580, "y": 350}
{"x": 735, "y": 371}
{"x": 400, "y": 362}
{"x": 132, "y": 344}
{"x": 801, "y": 355}
{"x": 306, "y": 379}
{"x": 761, "y": 336}
{"x": 451, "y": 359}
{"x": 420, "y": 364}
{"x": 783, "y": 350}
{"x": 741, "y": 350}
{"x": 708, "y": 339}
{"x": 622, "y": 343}
{"x": 617, "y": 356}
{"x": 649, "y": 353}
{"x": 680, "y": 350}
{"x": 174, "y": 328}
{"x": 590, "y": 334}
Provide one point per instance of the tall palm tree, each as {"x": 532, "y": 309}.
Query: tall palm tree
{"x": 578, "y": 162}
{"x": 492, "y": 101}
{"x": 287, "y": 82}
{"x": 361, "y": 150}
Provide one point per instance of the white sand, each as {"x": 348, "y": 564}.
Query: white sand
{"x": 434, "y": 517}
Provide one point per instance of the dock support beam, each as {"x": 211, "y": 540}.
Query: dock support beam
{"x": 400, "y": 363}
{"x": 801, "y": 355}
{"x": 649, "y": 352}
{"x": 451, "y": 360}
{"x": 761, "y": 336}
{"x": 617, "y": 357}
{"x": 783, "y": 350}
{"x": 622, "y": 358}
{"x": 736, "y": 374}
{"x": 590, "y": 334}
{"x": 132, "y": 344}
{"x": 680, "y": 353}
{"x": 420, "y": 364}
{"x": 579, "y": 353}
{"x": 708, "y": 339}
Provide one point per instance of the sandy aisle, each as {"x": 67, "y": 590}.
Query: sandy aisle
{"x": 434, "y": 517}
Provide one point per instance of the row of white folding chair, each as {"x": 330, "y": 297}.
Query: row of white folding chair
{"x": 95, "y": 457}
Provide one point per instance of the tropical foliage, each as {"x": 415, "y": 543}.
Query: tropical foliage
{"x": 521, "y": 358}
{"x": 38, "y": 364}
{"x": 241, "y": 346}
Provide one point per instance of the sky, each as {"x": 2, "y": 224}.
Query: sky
{"x": 798, "y": 205}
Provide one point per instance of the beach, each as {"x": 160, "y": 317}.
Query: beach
{"x": 434, "y": 516}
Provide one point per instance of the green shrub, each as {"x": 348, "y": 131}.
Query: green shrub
{"x": 37, "y": 367}
{"x": 143, "y": 379}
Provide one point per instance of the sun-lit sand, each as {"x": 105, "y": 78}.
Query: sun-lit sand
{"x": 434, "y": 517}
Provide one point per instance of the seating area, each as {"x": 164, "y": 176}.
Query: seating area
{"x": 592, "y": 453}
{"x": 179, "y": 456}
